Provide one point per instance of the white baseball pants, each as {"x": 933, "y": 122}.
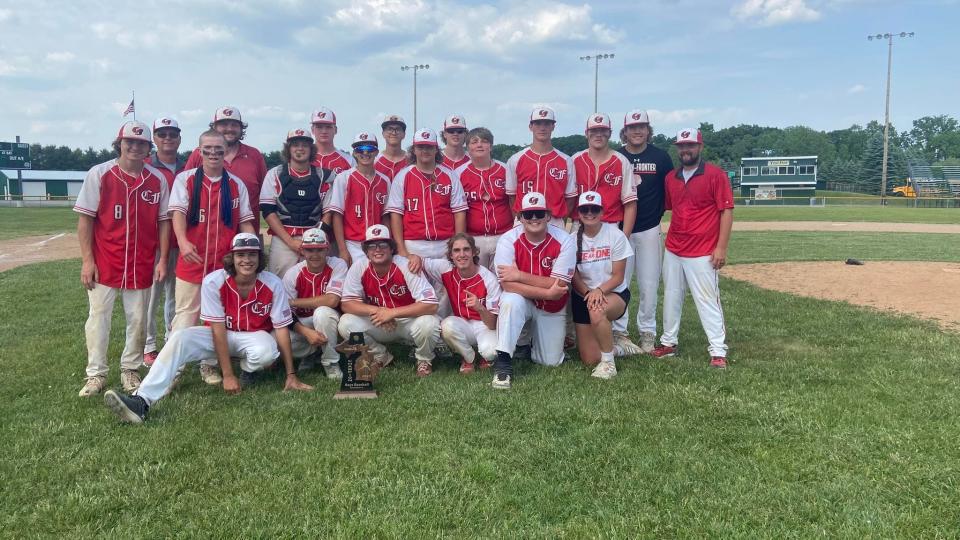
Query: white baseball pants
{"x": 462, "y": 335}
{"x": 167, "y": 288}
{"x": 423, "y": 331}
{"x": 697, "y": 274}
{"x": 97, "y": 328}
{"x": 547, "y": 328}
{"x": 427, "y": 249}
{"x": 647, "y": 261}
{"x": 356, "y": 251}
{"x": 325, "y": 321}
{"x": 187, "y": 300}
{"x": 487, "y": 245}
{"x": 281, "y": 258}
{"x": 256, "y": 350}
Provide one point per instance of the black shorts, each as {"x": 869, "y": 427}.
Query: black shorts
{"x": 581, "y": 315}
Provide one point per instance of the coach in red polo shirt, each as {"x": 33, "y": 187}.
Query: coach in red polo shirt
{"x": 701, "y": 201}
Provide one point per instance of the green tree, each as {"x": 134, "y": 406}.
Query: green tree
{"x": 933, "y": 136}
{"x": 871, "y": 169}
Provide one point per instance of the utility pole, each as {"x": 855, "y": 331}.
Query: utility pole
{"x": 415, "y": 68}
{"x": 596, "y": 76}
{"x": 886, "y": 116}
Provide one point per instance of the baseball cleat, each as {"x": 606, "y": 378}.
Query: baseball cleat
{"x": 332, "y": 371}
{"x": 247, "y": 378}
{"x": 93, "y": 386}
{"x": 501, "y": 381}
{"x": 466, "y": 367}
{"x": 210, "y": 375}
{"x": 718, "y": 362}
{"x": 130, "y": 380}
{"x": 604, "y": 370}
{"x": 424, "y": 369}
{"x": 149, "y": 358}
{"x": 648, "y": 342}
{"x": 623, "y": 346}
{"x": 483, "y": 363}
{"x": 664, "y": 351}
{"x": 129, "y": 409}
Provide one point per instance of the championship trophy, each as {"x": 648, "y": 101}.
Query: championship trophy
{"x": 359, "y": 369}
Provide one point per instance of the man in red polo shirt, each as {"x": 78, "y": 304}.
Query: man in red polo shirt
{"x": 701, "y": 201}
{"x": 166, "y": 135}
{"x": 123, "y": 224}
{"x": 393, "y": 158}
{"x": 543, "y": 169}
{"x": 243, "y": 161}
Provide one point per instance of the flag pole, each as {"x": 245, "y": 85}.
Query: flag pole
{"x": 133, "y": 100}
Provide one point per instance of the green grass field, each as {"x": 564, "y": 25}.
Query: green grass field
{"x": 832, "y": 421}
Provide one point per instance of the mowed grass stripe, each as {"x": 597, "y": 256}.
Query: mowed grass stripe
{"x": 832, "y": 419}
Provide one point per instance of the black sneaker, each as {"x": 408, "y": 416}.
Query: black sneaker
{"x": 523, "y": 352}
{"x": 248, "y": 378}
{"x": 129, "y": 409}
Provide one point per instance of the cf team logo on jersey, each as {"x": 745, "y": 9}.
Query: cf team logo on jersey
{"x": 150, "y": 197}
{"x": 546, "y": 262}
{"x": 442, "y": 189}
{"x": 557, "y": 173}
{"x": 260, "y": 308}
{"x": 398, "y": 290}
{"x": 612, "y": 179}
{"x": 499, "y": 183}
{"x": 381, "y": 198}
{"x": 236, "y": 203}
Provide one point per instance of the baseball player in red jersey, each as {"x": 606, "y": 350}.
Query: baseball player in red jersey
{"x": 535, "y": 263}
{"x": 123, "y": 223}
{"x": 393, "y": 158}
{"x": 358, "y": 199}
{"x": 474, "y": 296}
{"x": 242, "y": 306}
{"x": 484, "y": 185}
{"x": 292, "y": 199}
{"x": 166, "y": 135}
{"x": 208, "y": 207}
{"x": 701, "y": 201}
{"x": 241, "y": 160}
{"x": 454, "y": 136}
{"x": 386, "y": 301}
{"x": 609, "y": 173}
{"x": 543, "y": 169}
{"x": 314, "y": 287}
{"x": 323, "y": 124}
{"x": 427, "y": 203}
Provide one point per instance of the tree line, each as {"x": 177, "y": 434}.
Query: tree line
{"x": 850, "y": 158}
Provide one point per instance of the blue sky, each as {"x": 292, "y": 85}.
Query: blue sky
{"x": 67, "y": 68}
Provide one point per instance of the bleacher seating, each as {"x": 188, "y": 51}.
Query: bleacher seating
{"x": 951, "y": 175}
{"x": 926, "y": 181}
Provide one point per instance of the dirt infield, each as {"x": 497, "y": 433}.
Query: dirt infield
{"x": 933, "y": 291}
{"x": 34, "y": 249}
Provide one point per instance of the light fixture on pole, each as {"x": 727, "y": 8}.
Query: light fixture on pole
{"x": 886, "y": 115}
{"x": 415, "y": 68}
{"x": 596, "y": 74}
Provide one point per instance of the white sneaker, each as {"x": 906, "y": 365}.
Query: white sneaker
{"x": 210, "y": 375}
{"x": 623, "y": 346}
{"x": 333, "y": 371}
{"x": 93, "y": 386}
{"x": 501, "y": 382}
{"x": 386, "y": 358}
{"x": 648, "y": 342}
{"x": 130, "y": 380}
{"x": 605, "y": 370}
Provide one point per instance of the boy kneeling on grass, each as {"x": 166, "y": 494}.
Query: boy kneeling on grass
{"x": 241, "y": 305}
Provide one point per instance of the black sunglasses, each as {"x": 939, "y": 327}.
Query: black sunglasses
{"x": 533, "y": 214}
{"x": 167, "y": 134}
{"x": 370, "y": 246}
{"x": 246, "y": 242}
{"x": 459, "y": 131}
{"x": 590, "y": 209}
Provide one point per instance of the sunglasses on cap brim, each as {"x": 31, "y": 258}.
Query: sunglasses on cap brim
{"x": 246, "y": 244}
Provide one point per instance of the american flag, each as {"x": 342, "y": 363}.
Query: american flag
{"x": 129, "y": 109}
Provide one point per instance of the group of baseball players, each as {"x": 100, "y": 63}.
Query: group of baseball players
{"x": 440, "y": 247}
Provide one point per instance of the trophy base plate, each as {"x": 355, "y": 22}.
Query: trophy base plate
{"x": 355, "y": 394}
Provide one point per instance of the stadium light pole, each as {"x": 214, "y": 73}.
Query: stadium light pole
{"x": 886, "y": 116}
{"x": 415, "y": 68}
{"x": 596, "y": 74}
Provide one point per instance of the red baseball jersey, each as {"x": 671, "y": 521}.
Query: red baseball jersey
{"x": 397, "y": 288}
{"x": 484, "y": 285}
{"x": 427, "y": 204}
{"x": 210, "y": 236}
{"x": 454, "y": 165}
{"x": 126, "y": 212}
{"x": 555, "y": 256}
{"x": 336, "y": 161}
{"x": 696, "y": 205}
{"x": 390, "y": 168}
{"x": 300, "y": 282}
{"x": 265, "y": 307}
{"x": 361, "y": 201}
{"x": 249, "y": 166}
{"x": 488, "y": 207}
{"x": 613, "y": 180}
{"x": 551, "y": 174}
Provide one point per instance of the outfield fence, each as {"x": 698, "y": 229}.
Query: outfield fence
{"x": 866, "y": 200}
{"x": 33, "y": 201}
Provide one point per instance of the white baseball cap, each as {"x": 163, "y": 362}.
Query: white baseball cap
{"x": 245, "y": 242}
{"x": 589, "y": 198}
{"x": 227, "y": 113}
{"x": 543, "y": 113}
{"x": 635, "y": 116}
{"x": 689, "y": 135}
{"x": 365, "y": 138}
{"x": 136, "y": 130}
{"x": 299, "y": 133}
{"x": 454, "y": 121}
{"x": 598, "y": 120}
{"x": 533, "y": 201}
{"x": 377, "y": 232}
{"x": 425, "y": 136}
{"x": 323, "y": 115}
{"x": 165, "y": 122}
{"x": 393, "y": 119}
{"x": 315, "y": 238}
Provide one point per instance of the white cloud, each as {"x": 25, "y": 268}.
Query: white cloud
{"x": 264, "y": 111}
{"x": 62, "y": 56}
{"x": 5, "y": 14}
{"x": 542, "y": 24}
{"x": 679, "y": 116}
{"x": 377, "y": 15}
{"x": 856, "y": 89}
{"x": 192, "y": 114}
{"x": 180, "y": 36}
{"x": 774, "y": 12}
